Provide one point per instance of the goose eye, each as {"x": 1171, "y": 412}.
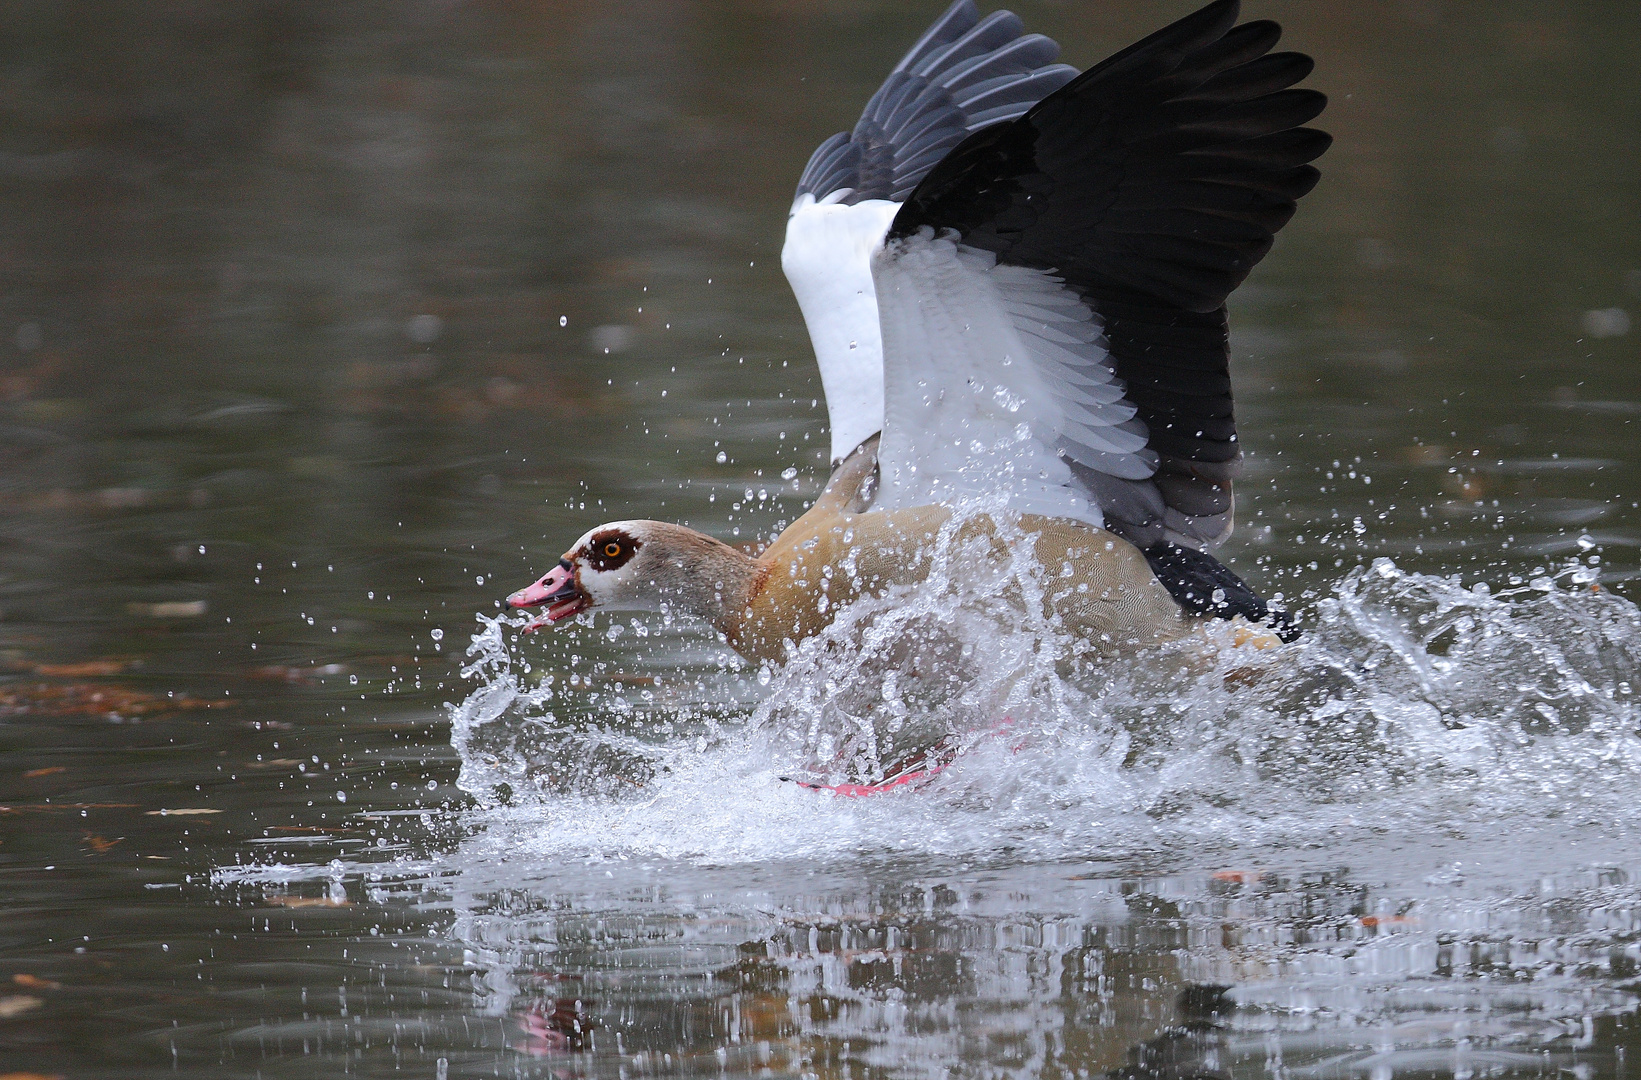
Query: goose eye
{"x": 610, "y": 551}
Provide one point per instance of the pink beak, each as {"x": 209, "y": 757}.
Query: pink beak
{"x": 558, "y": 590}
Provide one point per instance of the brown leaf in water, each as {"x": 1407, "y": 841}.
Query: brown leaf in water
{"x": 101, "y": 845}
{"x": 47, "y": 808}
{"x": 169, "y": 609}
{"x": 307, "y": 901}
{"x": 31, "y": 1076}
{"x": 16, "y": 1005}
{"x": 34, "y": 982}
{"x": 88, "y": 669}
{"x": 185, "y": 811}
{"x": 309, "y": 828}
{"x": 93, "y": 699}
{"x": 274, "y": 763}
{"x": 49, "y": 770}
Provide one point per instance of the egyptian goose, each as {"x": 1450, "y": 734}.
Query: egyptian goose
{"x": 1014, "y": 277}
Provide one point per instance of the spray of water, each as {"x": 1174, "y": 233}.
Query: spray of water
{"x": 1412, "y": 704}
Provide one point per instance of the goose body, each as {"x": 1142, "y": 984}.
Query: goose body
{"x": 1014, "y": 278}
{"x": 1100, "y": 590}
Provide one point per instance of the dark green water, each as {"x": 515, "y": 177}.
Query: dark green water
{"x": 323, "y": 326}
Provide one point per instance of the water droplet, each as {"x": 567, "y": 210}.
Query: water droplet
{"x": 437, "y": 635}
{"x": 424, "y": 329}
{"x": 1606, "y": 323}
{"x": 722, "y": 457}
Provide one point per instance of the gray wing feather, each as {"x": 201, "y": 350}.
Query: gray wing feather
{"x": 1145, "y": 497}
{"x": 964, "y": 73}
{"x": 1175, "y": 505}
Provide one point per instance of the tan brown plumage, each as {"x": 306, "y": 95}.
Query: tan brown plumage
{"x": 1110, "y": 600}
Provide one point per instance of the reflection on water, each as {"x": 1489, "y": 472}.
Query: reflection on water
{"x": 320, "y": 325}
{"x": 1055, "y": 967}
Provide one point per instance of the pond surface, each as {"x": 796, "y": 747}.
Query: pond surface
{"x": 324, "y": 326}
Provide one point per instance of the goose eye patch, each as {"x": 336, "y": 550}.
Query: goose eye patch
{"x": 609, "y": 551}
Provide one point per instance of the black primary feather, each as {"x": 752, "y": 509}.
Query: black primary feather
{"x": 964, "y": 73}
{"x": 1203, "y": 585}
{"x": 1151, "y": 184}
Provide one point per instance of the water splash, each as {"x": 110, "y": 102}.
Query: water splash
{"x": 1412, "y": 704}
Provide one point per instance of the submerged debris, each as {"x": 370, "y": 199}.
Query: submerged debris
{"x": 94, "y": 699}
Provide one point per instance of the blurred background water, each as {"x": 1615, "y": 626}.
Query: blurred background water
{"x": 322, "y": 326}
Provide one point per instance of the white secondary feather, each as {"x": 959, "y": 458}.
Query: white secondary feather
{"x": 993, "y": 376}
{"x": 828, "y": 260}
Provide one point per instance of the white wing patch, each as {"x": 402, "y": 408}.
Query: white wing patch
{"x": 993, "y": 375}
{"x": 827, "y": 258}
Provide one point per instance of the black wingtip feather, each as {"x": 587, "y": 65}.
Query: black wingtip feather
{"x": 1203, "y": 585}
{"x": 1172, "y": 42}
{"x": 1240, "y": 45}
{"x": 1263, "y": 75}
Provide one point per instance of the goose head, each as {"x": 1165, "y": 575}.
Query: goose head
{"x": 641, "y": 566}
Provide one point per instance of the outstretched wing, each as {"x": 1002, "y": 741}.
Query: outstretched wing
{"x": 963, "y": 74}
{"x": 1053, "y": 291}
